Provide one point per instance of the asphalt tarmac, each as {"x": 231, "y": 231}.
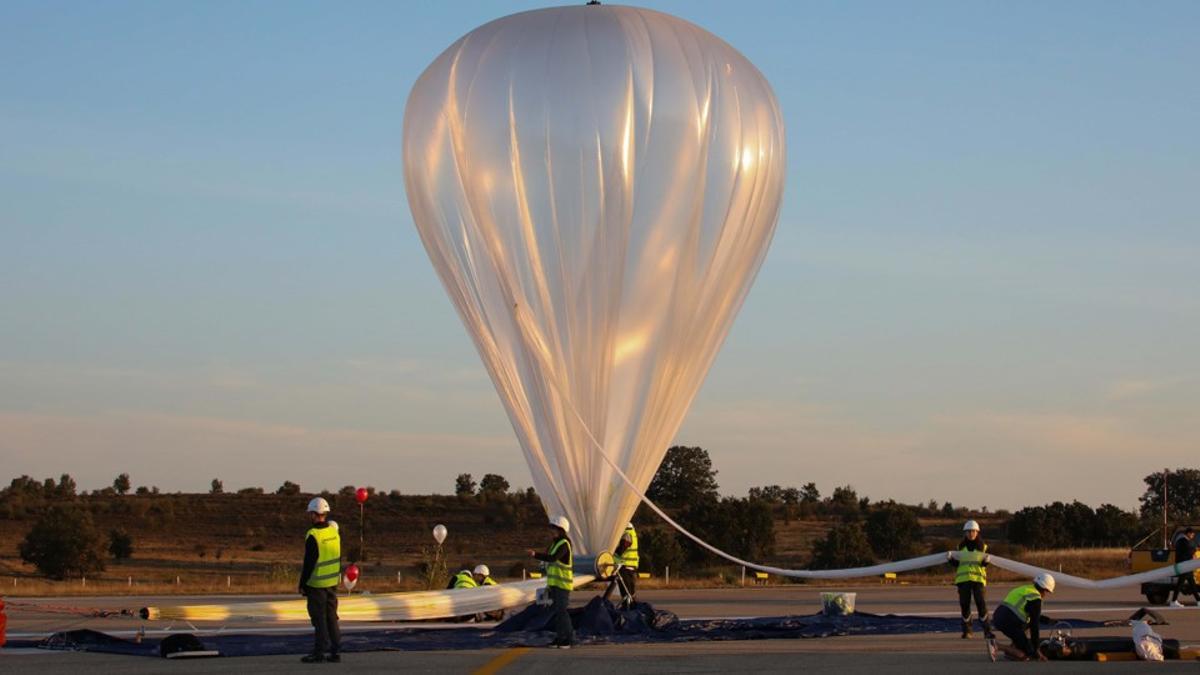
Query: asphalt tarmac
{"x": 854, "y": 654}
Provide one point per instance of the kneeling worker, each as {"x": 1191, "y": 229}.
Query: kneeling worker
{"x": 472, "y": 578}
{"x": 1022, "y": 608}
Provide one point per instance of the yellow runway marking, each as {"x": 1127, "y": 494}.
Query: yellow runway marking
{"x": 502, "y": 660}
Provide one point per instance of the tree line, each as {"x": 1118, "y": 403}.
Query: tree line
{"x": 64, "y": 540}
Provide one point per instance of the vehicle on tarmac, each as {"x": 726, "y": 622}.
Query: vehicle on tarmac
{"x": 1143, "y": 558}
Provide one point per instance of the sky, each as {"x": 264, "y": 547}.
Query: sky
{"x": 982, "y": 289}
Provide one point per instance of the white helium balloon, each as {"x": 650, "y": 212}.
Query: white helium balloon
{"x": 596, "y": 187}
{"x": 439, "y": 533}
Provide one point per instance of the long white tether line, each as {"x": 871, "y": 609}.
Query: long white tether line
{"x": 896, "y": 566}
{"x": 852, "y": 572}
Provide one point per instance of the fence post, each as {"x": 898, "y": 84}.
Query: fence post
{"x": 667, "y": 581}
{"x": 398, "y": 577}
{"x": 83, "y": 581}
{"x": 176, "y": 580}
{"x": 743, "y": 575}
{"x": 131, "y": 581}
{"x": 228, "y": 581}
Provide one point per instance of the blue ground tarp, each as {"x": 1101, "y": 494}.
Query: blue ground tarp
{"x": 597, "y": 623}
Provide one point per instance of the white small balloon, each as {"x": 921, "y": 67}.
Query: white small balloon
{"x": 439, "y": 533}
{"x": 349, "y": 583}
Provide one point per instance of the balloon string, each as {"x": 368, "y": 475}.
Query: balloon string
{"x": 876, "y": 570}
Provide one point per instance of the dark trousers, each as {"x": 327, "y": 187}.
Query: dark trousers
{"x": 560, "y": 598}
{"x": 1010, "y": 624}
{"x": 1188, "y": 582}
{"x": 629, "y": 576}
{"x": 322, "y": 611}
{"x": 968, "y": 590}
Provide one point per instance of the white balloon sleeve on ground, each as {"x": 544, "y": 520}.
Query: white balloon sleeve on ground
{"x": 898, "y": 566}
{"x": 413, "y": 606}
{"x": 1160, "y": 574}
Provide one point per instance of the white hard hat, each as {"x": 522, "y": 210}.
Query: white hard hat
{"x": 1044, "y": 581}
{"x": 482, "y": 570}
{"x": 629, "y": 525}
{"x": 318, "y": 505}
{"x": 970, "y": 525}
{"x": 561, "y": 523}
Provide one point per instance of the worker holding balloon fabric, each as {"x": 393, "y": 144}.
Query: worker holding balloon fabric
{"x": 971, "y": 579}
{"x": 318, "y": 582}
{"x": 560, "y": 578}
{"x": 627, "y": 556}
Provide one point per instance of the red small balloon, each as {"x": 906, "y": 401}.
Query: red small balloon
{"x": 352, "y": 573}
{"x": 361, "y": 495}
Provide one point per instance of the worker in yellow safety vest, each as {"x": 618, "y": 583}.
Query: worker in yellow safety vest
{"x": 473, "y": 578}
{"x": 484, "y": 576}
{"x": 627, "y": 559}
{"x": 1021, "y": 611}
{"x": 319, "y": 578}
{"x": 970, "y": 577}
{"x": 560, "y": 579}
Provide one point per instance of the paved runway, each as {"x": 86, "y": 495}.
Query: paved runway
{"x": 865, "y": 654}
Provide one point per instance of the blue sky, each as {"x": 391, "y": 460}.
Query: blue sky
{"x": 983, "y": 287}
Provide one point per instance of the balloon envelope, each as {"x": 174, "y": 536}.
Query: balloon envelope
{"x": 596, "y": 186}
{"x": 439, "y": 533}
{"x": 360, "y": 495}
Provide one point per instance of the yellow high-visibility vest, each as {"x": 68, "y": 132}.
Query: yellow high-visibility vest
{"x": 971, "y": 570}
{"x": 629, "y": 558}
{"x": 465, "y": 579}
{"x": 1018, "y": 600}
{"x": 329, "y": 557}
{"x": 560, "y": 575}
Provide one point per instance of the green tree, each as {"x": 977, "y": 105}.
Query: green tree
{"x": 893, "y": 531}
{"x": 743, "y": 527}
{"x": 493, "y": 484}
{"x": 288, "y": 488}
{"x": 217, "y": 487}
{"x": 844, "y": 502}
{"x": 1114, "y": 526}
{"x": 685, "y": 476}
{"x": 464, "y": 485}
{"x": 809, "y": 494}
{"x": 659, "y": 549}
{"x": 63, "y": 542}
{"x": 845, "y": 545}
{"x": 1183, "y": 496}
{"x": 120, "y": 544}
{"x": 66, "y": 487}
{"x": 121, "y": 484}
{"x": 775, "y": 494}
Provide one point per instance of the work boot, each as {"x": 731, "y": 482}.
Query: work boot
{"x": 987, "y": 628}
{"x": 313, "y": 658}
{"x": 992, "y": 649}
{"x": 966, "y": 629}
